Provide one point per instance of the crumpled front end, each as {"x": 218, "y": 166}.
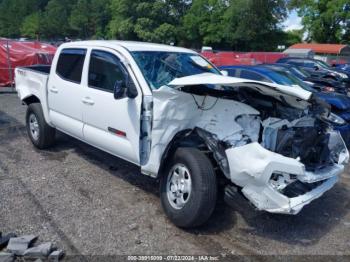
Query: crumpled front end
{"x": 280, "y": 184}
{"x": 274, "y": 143}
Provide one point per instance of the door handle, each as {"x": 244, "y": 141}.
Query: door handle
{"x": 53, "y": 90}
{"x": 88, "y": 101}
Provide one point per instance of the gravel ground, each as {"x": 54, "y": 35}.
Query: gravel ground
{"x": 91, "y": 203}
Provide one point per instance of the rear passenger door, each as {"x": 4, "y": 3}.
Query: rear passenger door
{"x": 109, "y": 124}
{"x": 65, "y": 92}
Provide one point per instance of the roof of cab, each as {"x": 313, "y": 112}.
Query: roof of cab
{"x": 131, "y": 46}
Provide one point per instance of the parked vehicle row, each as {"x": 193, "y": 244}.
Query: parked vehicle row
{"x": 181, "y": 120}
{"x": 317, "y": 80}
{"x": 317, "y": 67}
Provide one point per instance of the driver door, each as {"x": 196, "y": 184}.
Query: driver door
{"x": 109, "y": 124}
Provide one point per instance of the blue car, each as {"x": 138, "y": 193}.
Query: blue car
{"x": 317, "y": 82}
{"x": 343, "y": 67}
{"x": 340, "y": 103}
{"x": 315, "y": 67}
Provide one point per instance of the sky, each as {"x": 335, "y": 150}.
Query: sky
{"x": 293, "y": 22}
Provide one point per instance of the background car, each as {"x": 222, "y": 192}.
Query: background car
{"x": 318, "y": 82}
{"x": 315, "y": 66}
{"x": 340, "y": 104}
{"x": 343, "y": 67}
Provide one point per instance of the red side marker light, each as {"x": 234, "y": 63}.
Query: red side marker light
{"x": 117, "y": 132}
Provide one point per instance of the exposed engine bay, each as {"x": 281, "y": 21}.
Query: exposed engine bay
{"x": 294, "y": 133}
{"x": 278, "y": 148}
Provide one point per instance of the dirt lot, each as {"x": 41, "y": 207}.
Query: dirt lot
{"x": 91, "y": 203}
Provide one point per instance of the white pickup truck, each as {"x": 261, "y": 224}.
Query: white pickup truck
{"x": 172, "y": 113}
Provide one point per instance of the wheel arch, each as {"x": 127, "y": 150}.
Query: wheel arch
{"x": 31, "y": 100}
{"x": 181, "y": 139}
{"x": 200, "y": 139}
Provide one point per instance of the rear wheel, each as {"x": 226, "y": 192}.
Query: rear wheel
{"x": 188, "y": 188}
{"x": 40, "y": 133}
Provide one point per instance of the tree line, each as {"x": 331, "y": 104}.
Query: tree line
{"x": 240, "y": 24}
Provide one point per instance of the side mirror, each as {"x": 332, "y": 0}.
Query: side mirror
{"x": 316, "y": 68}
{"x": 125, "y": 88}
{"x": 119, "y": 89}
{"x": 224, "y": 73}
{"x": 131, "y": 90}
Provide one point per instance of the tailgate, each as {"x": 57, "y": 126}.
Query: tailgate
{"x": 31, "y": 82}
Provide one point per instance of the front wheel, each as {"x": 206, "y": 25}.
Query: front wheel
{"x": 40, "y": 133}
{"x": 188, "y": 188}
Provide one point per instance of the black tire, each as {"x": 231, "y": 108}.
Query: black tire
{"x": 202, "y": 200}
{"x": 45, "y": 137}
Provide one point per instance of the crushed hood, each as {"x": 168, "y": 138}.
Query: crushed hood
{"x": 219, "y": 80}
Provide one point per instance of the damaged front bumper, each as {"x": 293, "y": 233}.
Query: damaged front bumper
{"x": 279, "y": 184}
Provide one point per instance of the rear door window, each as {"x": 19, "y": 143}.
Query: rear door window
{"x": 309, "y": 64}
{"x": 231, "y": 71}
{"x": 252, "y": 75}
{"x": 296, "y": 62}
{"x": 70, "y": 64}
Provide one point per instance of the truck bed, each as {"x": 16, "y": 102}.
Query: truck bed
{"x": 45, "y": 69}
{"x": 31, "y": 82}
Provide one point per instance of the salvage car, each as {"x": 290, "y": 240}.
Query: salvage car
{"x": 176, "y": 116}
{"x": 318, "y": 82}
{"x": 315, "y": 66}
{"x": 343, "y": 67}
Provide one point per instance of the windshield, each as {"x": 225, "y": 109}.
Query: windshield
{"x": 302, "y": 70}
{"x": 160, "y": 68}
{"x": 287, "y": 78}
{"x": 298, "y": 73}
{"x": 323, "y": 64}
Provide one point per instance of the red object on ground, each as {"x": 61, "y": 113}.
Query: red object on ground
{"x": 15, "y": 53}
{"x": 240, "y": 58}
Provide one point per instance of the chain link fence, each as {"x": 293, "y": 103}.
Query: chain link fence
{"x": 16, "y": 53}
